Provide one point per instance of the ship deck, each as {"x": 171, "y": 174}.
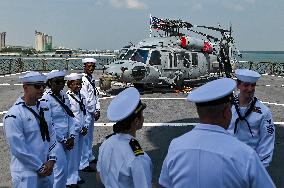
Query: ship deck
{"x": 168, "y": 115}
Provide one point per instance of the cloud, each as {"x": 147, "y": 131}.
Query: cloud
{"x": 129, "y": 4}
{"x": 197, "y": 7}
{"x": 234, "y": 7}
{"x": 237, "y": 5}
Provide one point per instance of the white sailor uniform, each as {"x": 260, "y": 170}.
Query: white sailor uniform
{"x": 65, "y": 128}
{"x": 28, "y": 150}
{"x": 256, "y": 130}
{"x": 92, "y": 105}
{"x": 208, "y": 156}
{"x": 120, "y": 166}
{"x": 78, "y": 104}
{"x": 253, "y": 124}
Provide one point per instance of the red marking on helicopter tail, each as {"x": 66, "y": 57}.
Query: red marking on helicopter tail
{"x": 207, "y": 47}
{"x": 183, "y": 42}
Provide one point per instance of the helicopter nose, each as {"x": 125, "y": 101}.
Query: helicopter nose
{"x": 113, "y": 72}
{"x": 139, "y": 72}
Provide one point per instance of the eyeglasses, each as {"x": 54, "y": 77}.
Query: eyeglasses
{"x": 59, "y": 82}
{"x": 38, "y": 86}
{"x": 90, "y": 66}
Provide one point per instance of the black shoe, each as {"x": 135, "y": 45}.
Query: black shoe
{"x": 93, "y": 161}
{"x": 88, "y": 169}
{"x": 73, "y": 186}
{"x": 81, "y": 181}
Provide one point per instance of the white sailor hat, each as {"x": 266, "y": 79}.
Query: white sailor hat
{"x": 247, "y": 75}
{"x": 213, "y": 93}
{"x": 74, "y": 76}
{"x": 56, "y": 73}
{"x": 125, "y": 104}
{"x": 33, "y": 77}
{"x": 89, "y": 60}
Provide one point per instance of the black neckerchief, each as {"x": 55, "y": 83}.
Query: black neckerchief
{"x": 81, "y": 104}
{"x": 248, "y": 112}
{"x": 42, "y": 123}
{"x": 92, "y": 83}
{"x": 66, "y": 108}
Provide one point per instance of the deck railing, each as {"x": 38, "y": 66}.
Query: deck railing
{"x": 15, "y": 65}
{"x": 22, "y": 64}
{"x": 271, "y": 68}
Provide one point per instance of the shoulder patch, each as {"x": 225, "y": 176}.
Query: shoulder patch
{"x": 12, "y": 116}
{"x": 136, "y": 148}
{"x": 257, "y": 110}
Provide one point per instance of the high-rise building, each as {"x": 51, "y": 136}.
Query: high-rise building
{"x": 2, "y": 40}
{"x": 48, "y": 43}
{"x": 43, "y": 42}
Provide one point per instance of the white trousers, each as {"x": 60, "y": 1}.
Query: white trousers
{"x": 60, "y": 168}
{"x": 28, "y": 179}
{"x": 74, "y": 157}
{"x": 87, "y": 149}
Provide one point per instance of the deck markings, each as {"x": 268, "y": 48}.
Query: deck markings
{"x": 169, "y": 98}
{"x": 119, "y": 84}
{"x": 158, "y": 124}
{"x": 272, "y": 103}
{"x": 4, "y": 112}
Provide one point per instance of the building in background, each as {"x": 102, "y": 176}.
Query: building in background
{"x": 2, "y": 40}
{"x": 43, "y": 42}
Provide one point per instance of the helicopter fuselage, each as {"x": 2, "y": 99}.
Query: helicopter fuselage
{"x": 160, "y": 60}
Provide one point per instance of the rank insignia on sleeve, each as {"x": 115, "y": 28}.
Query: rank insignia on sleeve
{"x": 257, "y": 110}
{"x": 270, "y": 129}
{"x": 12, "y": 116}
{"x": 136, "y": 148}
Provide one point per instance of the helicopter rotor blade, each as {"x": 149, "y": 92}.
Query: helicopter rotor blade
{"x": 213, "y": 28}
{"x": 205, "y": 35}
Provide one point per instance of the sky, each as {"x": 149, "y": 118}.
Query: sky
{"x": 112, "y": 24}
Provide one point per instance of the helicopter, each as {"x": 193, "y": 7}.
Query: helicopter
{"x": 172, "y": 58}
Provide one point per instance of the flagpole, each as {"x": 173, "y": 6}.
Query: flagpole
{"x": 150, "y": 26}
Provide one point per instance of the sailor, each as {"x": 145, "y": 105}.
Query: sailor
{"x": 252, "y": 121}
{"x": 122, "y": 162}
{"x": 91, "y": 93}
{"x": 63, "y": 120}
{"x": 78, "y": 104}
{"x": 208, "y": 156}
{"x": 30, "y": 135}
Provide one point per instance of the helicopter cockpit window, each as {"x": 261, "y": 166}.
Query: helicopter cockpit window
{"x": 128, "y": 55}
{"x": 155, "y": 58}
{"x": 122, "y": 53}
{"x": 140, "y": 56}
